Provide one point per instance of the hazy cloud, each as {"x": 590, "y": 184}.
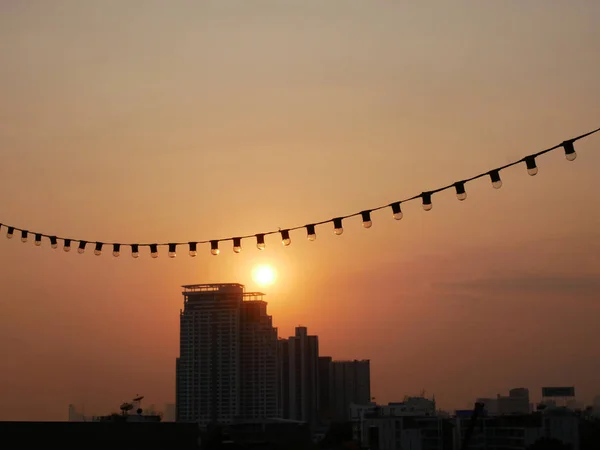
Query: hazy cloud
{"x": 527, "y": 283}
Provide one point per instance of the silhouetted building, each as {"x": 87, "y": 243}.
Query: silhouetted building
{"x": 227, "y": 365}
{"x": 299, "y": 376}
{"x": 351, "y": 383}
{"x": 325, "y": 389}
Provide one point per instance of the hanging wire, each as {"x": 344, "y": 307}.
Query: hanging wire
{"x": 425, "y": 196}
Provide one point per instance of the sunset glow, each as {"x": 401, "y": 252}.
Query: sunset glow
{"x": 264, "y": 275}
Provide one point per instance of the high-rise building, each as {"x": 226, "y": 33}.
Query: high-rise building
{"x": 227, "y": 365}
{"x": 351, "y": 383}
{"x": 299, "y": 376}
{"x": 325, "y": 389}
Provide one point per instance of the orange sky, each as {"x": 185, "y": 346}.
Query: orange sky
{"x": 155, "y": 121}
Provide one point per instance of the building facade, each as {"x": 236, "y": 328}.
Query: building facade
{"x": 227, "y": 356}
{"x": 351, "y": 383}
{"x": 299, "y": 377}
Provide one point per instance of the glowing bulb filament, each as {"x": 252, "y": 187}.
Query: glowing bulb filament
{"x": 366, "y": 218}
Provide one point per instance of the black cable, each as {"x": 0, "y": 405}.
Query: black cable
{"x": 529, "y": 160}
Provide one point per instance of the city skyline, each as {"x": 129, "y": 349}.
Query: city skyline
{"x": 141, "y": 121}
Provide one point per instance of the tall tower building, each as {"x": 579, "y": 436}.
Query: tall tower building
{"x": 299, "y": 376}
{"x": 351, "y": 383}
{"x": 226, "y": 368}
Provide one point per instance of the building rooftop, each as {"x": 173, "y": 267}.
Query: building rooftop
{"x": 212, "y": 287}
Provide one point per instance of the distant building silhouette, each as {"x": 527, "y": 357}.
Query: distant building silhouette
{"x": 227, "y": 365}
{"x": 351, "y": 383}
{"x": 299, "y": 376}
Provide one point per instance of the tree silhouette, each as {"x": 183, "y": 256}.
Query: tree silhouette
{"x": 549, "y": 444}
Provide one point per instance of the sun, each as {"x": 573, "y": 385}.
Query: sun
{"x": 264, "y": 275}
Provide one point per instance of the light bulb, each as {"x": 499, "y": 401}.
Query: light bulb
{"x": 135, "y": 250}
{"x": 427, "y": 205}
{"x": 193, "y": 251}
{"x": 237, "y": 245}
{"x": 495, "y": 177}
{"x": 337, "y": 226}
{"x": 10, "y": 232}
{"x": 81, "y": 247}
{"x": 23, "y": 236}
{"x": 98, "y": 249}
{"x": 154, "y": 250}
{"x": 310, "y": 232}
{"x": 366, "y": 218}
{"x": 569, "y": 150}
{"x": 285, "y": 238}
{"x": 53, "y": 242}
{"x": 214, "y": 248}
{"x": 396, "y": 211}
{"x": 260, "y": 241}
{"x": 67, "y": 246}
{"x": 531, "y": 167}
{"x": 116, "y": 250}
{"x": 172, "y": 250}
{"x": 461, "y": 194}
{"x": 38, "y": 240}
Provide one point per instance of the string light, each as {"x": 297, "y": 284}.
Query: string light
{"x": 426, "y": 196}
{"x": 459, "y": 186}
{"x": 337, "y": 226}
{"x": 366, "y": 219}
{"x": 237, "y": 244}
{"x": 311, "y": 235}
{"x": 285, "y": 238}
{"x": 260, "y": 241}
{"x": 570, "y": 153}
{"x": 461, "y": 193}
{"x": 531, "y": 166}
{"x": 396, "y": 211}
{"x": 495, "y": 177}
